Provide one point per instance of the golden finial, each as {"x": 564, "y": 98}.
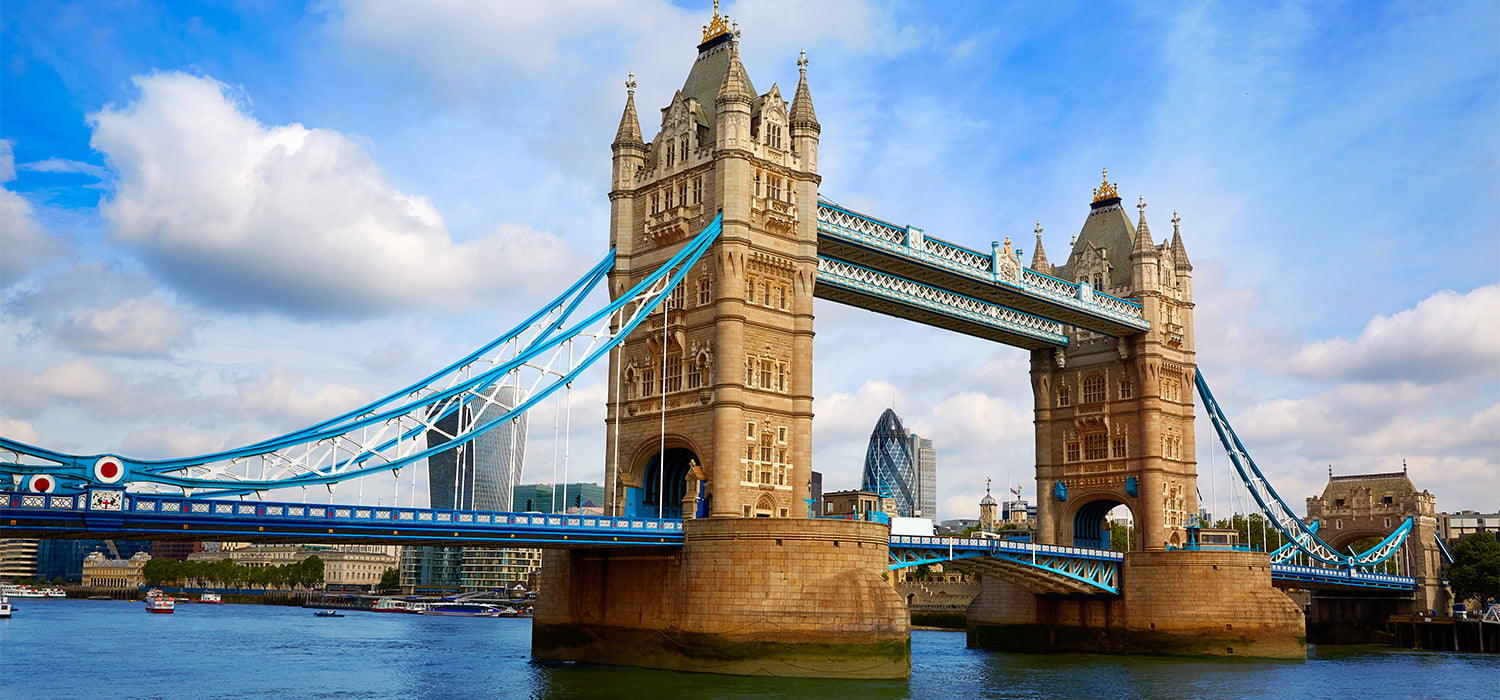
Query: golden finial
{"x": 717, "y": 26}
{"x": 1106, "y": 190}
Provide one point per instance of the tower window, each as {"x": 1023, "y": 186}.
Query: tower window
{"x": 671, "y": 154}
{"x": 697, "y": 190}
{"x": 1093, "y": 388}
{"x": 672, "y": 380}
{"x": 695, "y": 374}
{"x": 1093, "y": 446}
{"x": 1070, "y": 450}
{"x": 1064, "y": 397}
{"x": 1127, "y": 389}
{"x": 705, "y": 291}
{"x": 1117, "y": 447}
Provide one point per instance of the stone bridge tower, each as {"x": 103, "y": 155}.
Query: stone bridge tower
{"x": 1114, "y": 417}
{"x": 716, "y": 390}
{"x": 1364, "y": 506}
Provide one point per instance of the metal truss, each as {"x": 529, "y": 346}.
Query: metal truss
{"x": 914, "y": 294}
{"x": 543, "y": 354}
{"x": 1037, "y": 567}
{"x": 1300, "y": 535}
{"x": 848, "y": 225}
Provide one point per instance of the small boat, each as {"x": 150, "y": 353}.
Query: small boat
{"x": 214, "y": 598}
{"x": 158, "y": 602}
{"x": 328, "y": 613}
{"x": 399, "y": 606}
{"x": 4, "y": 607}
{"x": 54, "y": 593}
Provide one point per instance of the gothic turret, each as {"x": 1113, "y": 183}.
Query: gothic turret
{"x": 628, "y": 147}
{"x": 1144, "y": 259}
{"x": 734, "y": 102}
{"x": 804, "y": 120}
{"x": 1180, "y": 260}
{"x": 1039, "y": 256}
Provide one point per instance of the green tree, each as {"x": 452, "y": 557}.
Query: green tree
{"x": 1475, "y": 572}
{"x": 160, "y": 571}
{"x": 390, "y": 578}
{"x": 1121, "y": 536}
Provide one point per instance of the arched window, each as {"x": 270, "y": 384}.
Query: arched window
{"x": 672, "y": 379}
{"x": 695, "y": 373}
{"x": 630, "y": 387}
{"x": 1093, "y": 387}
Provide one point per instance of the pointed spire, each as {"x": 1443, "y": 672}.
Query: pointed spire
{"x": 629, "y": 132}
{"x": 1039, "y": 256}
{"x": 1143, "y": 242}
{"x": 802, "y": 114}
{"x": 736, "y": 84}
{"x": 1179, "y": 252}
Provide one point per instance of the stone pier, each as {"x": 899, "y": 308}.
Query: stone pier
{"x": 1171, "y": 602}
{"x": 744, "y": 596}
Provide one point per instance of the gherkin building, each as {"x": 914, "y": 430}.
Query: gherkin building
{"x": 889, "y": 467}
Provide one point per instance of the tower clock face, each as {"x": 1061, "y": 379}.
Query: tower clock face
{"x": 104, "y": 500}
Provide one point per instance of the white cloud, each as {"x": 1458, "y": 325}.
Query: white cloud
{"x": 63, "y": 165}
{"x": 242, "y": 216}
{"x": 141, "y": 326}
{"x": 20, "y": 431}
{"x": 24, "y": 243}
{"x": 1446, "y": 336}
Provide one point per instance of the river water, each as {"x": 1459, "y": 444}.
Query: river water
{"x": 61, "y": 649}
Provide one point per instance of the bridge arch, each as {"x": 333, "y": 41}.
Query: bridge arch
{"x": 648, "y": 493}
{"x": 1089, "y": 525}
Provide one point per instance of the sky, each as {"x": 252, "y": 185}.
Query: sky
{"x": 224, "y": 221}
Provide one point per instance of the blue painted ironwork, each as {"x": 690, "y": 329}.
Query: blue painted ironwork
{"x": 1040, "y": 567}
{"x": 389, "y": 433}
{"x": 1443, "y": 547}
{"x": 1054, "y": 569}
{"x": 109, "y": 513}
{"x": 840, "y": 227}
{"x": 838, "y": 275}
{"x": 1133, "y": 486}
{"x": 1060, "y": 490}
{"x": 1300, "y": 535}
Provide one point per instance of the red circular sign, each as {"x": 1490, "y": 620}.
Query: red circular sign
{"x": 109, "y": 470}
{"x": 42, "y": 484}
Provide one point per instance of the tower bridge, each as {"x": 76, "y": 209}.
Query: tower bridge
{"x": 719, "y": 243}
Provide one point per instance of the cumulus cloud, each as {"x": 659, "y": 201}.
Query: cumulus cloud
{"x": 1447, "y": 336}
{"x": 142, "y": 326}
{"x": 25, "y": 244}
{"x": 20, "y": 431}
{"x": 248, "y": 217}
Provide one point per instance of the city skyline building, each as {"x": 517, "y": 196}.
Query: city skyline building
{"x": 903, "y": 466}
{"x": 480, "y": 474}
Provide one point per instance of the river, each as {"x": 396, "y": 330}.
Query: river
{"x": 62, "y": 649}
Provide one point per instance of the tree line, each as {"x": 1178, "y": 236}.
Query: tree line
{"x": 224, "y": 573}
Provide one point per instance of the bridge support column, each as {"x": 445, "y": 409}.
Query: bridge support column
{"x": 1175, "y": 602}
{"x": 758, "y": 596}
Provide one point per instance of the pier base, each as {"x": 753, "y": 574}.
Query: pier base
{"x": 1180, "y": 603}
{"x": 761, "y": 596}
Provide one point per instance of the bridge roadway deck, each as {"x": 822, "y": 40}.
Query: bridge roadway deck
{"x": 148, "y": 517}
{"x": 1053, "y": 560}
{"x": 110, "y": 514}
{"x": 904, "y": 252}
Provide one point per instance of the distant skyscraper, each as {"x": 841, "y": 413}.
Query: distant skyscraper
{"x": 925, "y": 457}
{"x": 481, "y": 474}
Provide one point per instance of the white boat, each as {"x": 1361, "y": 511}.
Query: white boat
{"x": 210, "y": 598}
{"x": 54, "y": 593}
{"x": 398, "y": 605}
{"x": 21, "y": 592}
{"x": 158, "y": 602}
{"x": 4, "y": 607}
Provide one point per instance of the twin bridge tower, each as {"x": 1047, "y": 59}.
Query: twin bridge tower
{"x": 710, "y": 410}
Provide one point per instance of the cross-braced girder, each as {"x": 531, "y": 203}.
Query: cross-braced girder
{"x": 539, "y": 357}
{"x": 1037, "y": 567}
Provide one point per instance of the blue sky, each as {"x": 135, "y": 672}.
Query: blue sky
{"x": 222, "y": 221}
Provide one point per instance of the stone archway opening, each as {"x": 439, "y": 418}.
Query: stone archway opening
{"x": 662, "y": 490}
{"x": 765, "y": 507}
{"x": 1104, "y": 524}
